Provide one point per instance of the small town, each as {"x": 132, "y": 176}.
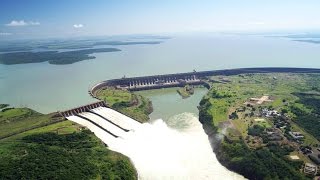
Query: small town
{"x": 267, "y": 126}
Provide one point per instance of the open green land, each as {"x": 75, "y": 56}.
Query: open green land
{"x": 257, "y": 133}
{"x": 37, "y": 146}
{"x": 53, "y": 57}
{"x": 130, "y": 104}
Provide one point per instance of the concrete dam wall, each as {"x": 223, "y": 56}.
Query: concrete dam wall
{"x": 181, "y": 79}
{"x": 106, "y": 123}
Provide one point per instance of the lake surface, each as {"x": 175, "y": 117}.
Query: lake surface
{"x": 48, "y": 88}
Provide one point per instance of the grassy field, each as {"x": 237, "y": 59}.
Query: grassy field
{"x": 43, "y": 147}
{"x": 17, "y": 120}
{"x": 130, "y": 104}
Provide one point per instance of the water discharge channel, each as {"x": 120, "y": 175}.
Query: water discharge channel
{"x": 175, "y": 147}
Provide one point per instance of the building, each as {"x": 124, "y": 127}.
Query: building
{"x": 310, "y": 169}
{"x": 296, "y": 135}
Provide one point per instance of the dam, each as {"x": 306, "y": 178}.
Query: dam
{"x": 106, "y": 123}
{"x": 156, "y": 150}
{"x": 182, "y": 79}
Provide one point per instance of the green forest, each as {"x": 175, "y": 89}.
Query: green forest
{"x": 37, "y": 146}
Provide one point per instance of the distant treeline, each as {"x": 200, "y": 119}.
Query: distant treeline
{"x": 117, "y": 43}
{"x": 53, "y": 57}
{"x": 16, "y": 46}
{"x": 309, "y": 41}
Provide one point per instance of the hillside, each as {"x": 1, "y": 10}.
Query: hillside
{"x": 37, "y": 146}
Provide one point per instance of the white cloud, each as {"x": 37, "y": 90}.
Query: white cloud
{"x": 78, "y": 26}
{"x": 5, "y": 34}
{"x": 23, "y": 23}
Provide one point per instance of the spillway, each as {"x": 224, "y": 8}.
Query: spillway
{"x": 157, "y": 151}
{"x": 104, "y": 123}
{"x": 118, "y": 118}
{"x": 100, "y": 133}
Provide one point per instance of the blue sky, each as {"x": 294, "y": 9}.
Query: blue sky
{"x": 66, "y": 18}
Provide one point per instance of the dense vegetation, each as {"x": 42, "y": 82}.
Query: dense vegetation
{"x": 308, "y": 117}
{"x": 130, "y": 104}
{"x": 53, "y": 57}
{"x": 264, "y": 163}
{"x": 67, "y": 156}
{"x": 186, "y": 91}
{"x": 37, "y": 146}
{"x": 247, "y": 148}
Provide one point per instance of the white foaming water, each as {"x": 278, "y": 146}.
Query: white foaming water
{"x": 161, "y": 152}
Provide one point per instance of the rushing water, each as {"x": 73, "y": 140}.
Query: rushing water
{"x": 161, "y": 152}
{"x": 178, "y": 147}
{"x": 174, "y": 147}
{"x": 48, "y": 88}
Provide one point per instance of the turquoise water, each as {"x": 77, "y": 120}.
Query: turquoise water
{"x": 48, "y": 88}
{"x": 168, "y": 103}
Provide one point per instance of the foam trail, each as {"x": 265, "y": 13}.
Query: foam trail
{"x": 103, "y": 123}
{"x": 161, "y": 152}
{"x": 118, "y": 118}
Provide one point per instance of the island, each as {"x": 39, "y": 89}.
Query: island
{"x": 118, "y": 43}
{"x": 186, "y": 91}
{"x": 77, "y": 44}
{"x": 53, "y": 57}
{"x": 308, "y": 41}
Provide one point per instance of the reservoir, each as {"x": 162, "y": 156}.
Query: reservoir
{"x": 47, "y": 88}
